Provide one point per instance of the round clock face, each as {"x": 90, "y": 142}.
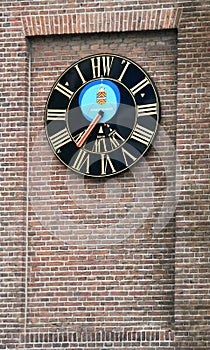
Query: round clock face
{"x": 102, "y": 115}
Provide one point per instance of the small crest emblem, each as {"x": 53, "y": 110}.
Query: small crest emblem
{"x": 101, "y": 96}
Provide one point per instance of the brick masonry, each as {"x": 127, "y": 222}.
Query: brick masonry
{"x": 121, "y": 264}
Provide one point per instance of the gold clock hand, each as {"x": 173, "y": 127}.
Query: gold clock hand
{"x": 90, "y": 128}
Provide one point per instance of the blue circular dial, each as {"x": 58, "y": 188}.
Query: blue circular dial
{"x": 99, "y": 95}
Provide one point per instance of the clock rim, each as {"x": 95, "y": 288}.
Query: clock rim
{"x": 153, "y": 84}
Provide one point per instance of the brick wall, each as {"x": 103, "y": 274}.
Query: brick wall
{"x": 118, "y": 264}
{"x": 192, "y": 223}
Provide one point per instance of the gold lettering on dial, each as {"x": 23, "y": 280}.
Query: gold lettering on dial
{"x": 100, "y": 145}
{"x": 100, "y": 142}
{"x": 63, "y": 90}
{"x": 80, "y": 74}
{"x": 101, "y": 66}
{"x": 82, "y": 159}
{"x": 56, "y": 114}
{"x": 127, "y": 155}
{"x": 105, "y": 162}
{"x": 142, "y": 134}
{"x": 77, "y": 137}
{"x": 113, "y": 139}
{"x": 139, "y": 86}
{"x": 146, "y": 110}
{"x": 124, "y": 70}
{"x": 60, "y": 138}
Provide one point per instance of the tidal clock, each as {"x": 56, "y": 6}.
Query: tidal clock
{"x": 101, "y": 115}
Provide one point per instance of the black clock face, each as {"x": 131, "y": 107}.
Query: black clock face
{"x": 102, "y": 115}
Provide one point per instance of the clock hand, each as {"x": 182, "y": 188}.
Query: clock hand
{"x": 90, "y": 128}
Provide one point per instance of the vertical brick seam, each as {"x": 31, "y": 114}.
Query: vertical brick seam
{"x": 192, "y": 283}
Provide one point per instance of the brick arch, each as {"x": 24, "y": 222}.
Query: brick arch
{"x": 151, "y": 19}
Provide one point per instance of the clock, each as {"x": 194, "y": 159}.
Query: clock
{"x": 102, "y": 115}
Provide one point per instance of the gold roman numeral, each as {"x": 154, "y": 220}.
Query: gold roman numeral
{"x": 139, "y": 86}
{"x": 80, "y": 74}
{"x": 142, "y": 134}
{"x": 127, "y": 155}
{"x": 56, "y": 114}
{"x": 100, "y": 145}
{"x": 147, "y": 110}
{"x": 124, "y": 69}
{"x": 101, "y": 66}
{"x": 105, "y": 162}
{"x": 100, "y": 142}
{"x": 113, "y": 137}
{"x": 77, "y": 137}
{"x": 82, "y": 159}
{"x": 60, "y": 138}
{"x": 64, "y": 90}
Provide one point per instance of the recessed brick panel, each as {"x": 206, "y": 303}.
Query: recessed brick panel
{"x": 100, "y": 252}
